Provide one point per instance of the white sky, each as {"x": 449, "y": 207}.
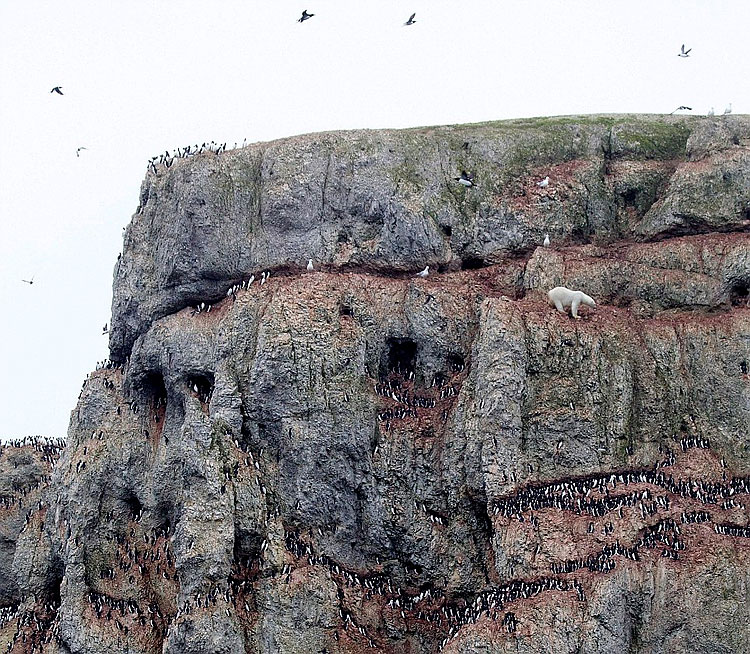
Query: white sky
{"x": 143, "y": 76}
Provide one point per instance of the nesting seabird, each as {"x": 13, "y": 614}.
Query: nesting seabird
{"x": 683, "y": 52}
{"x": 466, "y": 179}
{"x": 544, "y": 183}
{"x": 728, "y": 110}
{"x": 710, "y": 112}
{"x": 57, "y": 89}
{"x": 546, "y": 240}
{"x": 305, "y": 16}
{"x": 424, "y": 273}
{"x": 411, "y": 20}
{"x": 310, "y": 265}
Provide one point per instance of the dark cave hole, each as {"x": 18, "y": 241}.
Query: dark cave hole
{"x": 154, "y": 390}
{"x": 54, "y": 583}
{"x": 738, "y": 294}
{"x": 629, "y": 197}
{"x": 202, "y": 385}
{"x": 134, "y": 506}
{"x": 401, "y": 356}
{"x": 345, "y": 310}
{"x": 472, "y": 263}
{"x": 456, "y": 362}
{"x": 447, "y": 230}
{"x": 343, "y": 237}
{"x": 743, "y": 367}
{"x": 246, "y": 547}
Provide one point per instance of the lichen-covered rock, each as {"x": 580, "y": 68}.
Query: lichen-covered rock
{"x": 357, "y": 459}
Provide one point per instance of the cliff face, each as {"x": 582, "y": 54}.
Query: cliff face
{"x": 355, "y": 459}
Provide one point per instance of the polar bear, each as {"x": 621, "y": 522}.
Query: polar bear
{"x": 561, "y": 297}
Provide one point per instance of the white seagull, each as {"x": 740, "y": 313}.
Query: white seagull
{"x": 544, "y": 183}
{"x": 711, "y": 112}
{"x": 546, "y": 240}
{"x": 728, "y": 110}
{"x": 683, "y": 52}
{"x": 309, "y": 265}
{"x": 424, "y": 272}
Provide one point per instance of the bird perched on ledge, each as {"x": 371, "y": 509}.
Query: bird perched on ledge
{"x": 424, "y": 273}
{"x": 544, "y": 183}
{"x": 310, "y": 267}
{"x": 546, "y": 240}
{"x": 466, "y": 179}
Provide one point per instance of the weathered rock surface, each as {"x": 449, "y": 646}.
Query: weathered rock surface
{"x": 357, "y": 460}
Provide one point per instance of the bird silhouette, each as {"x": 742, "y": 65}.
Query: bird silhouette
{"x": 728, "y": 110}
{"x": 683, "y": 52}
{"x": 29, "y": 281}
{"x": 78, "y": 151}
{"x": 305, "y": 16}
{"x": 681, "y": 108}
{"x": 57, "y": 89}
{"x": 466, "y": 179}
{"x": 411, "y": 20}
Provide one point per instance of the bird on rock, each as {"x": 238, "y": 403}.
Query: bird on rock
{"x": 710, "y": 112}
{"x": 466, "y": 179}
{"x": 544, "y": 183}
{"x": 310, "y": 265}
{"x": 546, "y": 240}
{"x": 411, "y": 20}
{"x": 57, "y": 89}
{"x": 305, "y": 16}
{"x": 728, "y": 110}
{"x": 424, "y": 273}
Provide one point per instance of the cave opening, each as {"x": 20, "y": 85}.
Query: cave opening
{"x": 134, "y": 506}
{"x": 345, "y": 310}
{"x": 456, "y": 362}
{"x": 154, "y": 389}
{"x": 472, "y": 263}
{"x": 629, "y": 197}
{"x": 447, "y": 230}
{"x": 739, "y": 292}
{"x": 401, "y": 356}
{"x": 202, "y": 385}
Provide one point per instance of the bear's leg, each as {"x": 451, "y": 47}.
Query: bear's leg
{"x": 574, "y": 307}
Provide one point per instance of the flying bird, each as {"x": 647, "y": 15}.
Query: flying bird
{"x": 29, "y": 281}
{"x": 466, "y": 179}
{"x": 728, "y": 110}
{"x": 78, "y": 151}
{"x": 305, "y": 16}
{"x": 411, "y": 20}
{"x": 57, "y": 89}
{"x": 681, "y": 108}
{"x": 544, "y": 183}
{"x": 104, "y": 329}
{"x": 683, "y": 52}
{"x": 424, "y": 273}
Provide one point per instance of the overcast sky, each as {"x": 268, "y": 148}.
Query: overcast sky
{"x": 143, "y": 76}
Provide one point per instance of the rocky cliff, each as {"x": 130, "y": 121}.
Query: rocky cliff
{"x": 356, "y": 459}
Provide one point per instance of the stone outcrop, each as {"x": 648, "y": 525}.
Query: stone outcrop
{"x": 356, "y": 459}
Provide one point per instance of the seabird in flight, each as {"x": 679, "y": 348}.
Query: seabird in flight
{"x": 78, "y": 151}
{"x": 29, "y": 281}
{"x": 683, "y": 52}
{"x": 57, "y": 89}
{"x": 305, "y": 16}
{"x": 681, "y": 108}
{"x": 411, "y": 20}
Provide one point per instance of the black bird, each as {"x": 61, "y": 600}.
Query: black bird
{"x": 305, "y": 16}
{"x": 57, "y": 89}
{"x": 466, "y": 179}
{"x": 682, "y": 107}
{"x": 78, "y": 151}
{"x": 683, "y": 52}
{"x": 411, "y": 20}
{"x": 29, "y": 282}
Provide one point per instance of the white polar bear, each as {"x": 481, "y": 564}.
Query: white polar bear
{"x": 561, "y": 297}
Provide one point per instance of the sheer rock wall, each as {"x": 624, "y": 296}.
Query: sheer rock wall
{"x": 356, "y": 460}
